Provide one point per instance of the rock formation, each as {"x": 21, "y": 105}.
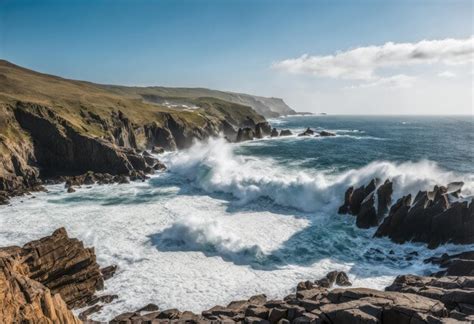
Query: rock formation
{"x": 434, "y": 217}
{"x": 360, "y": 202}
{"x": 461, "y": 264}
{"x": 24, "y": 300}
{"x": 41, "y": 281}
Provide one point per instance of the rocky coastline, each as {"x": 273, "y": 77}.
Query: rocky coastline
{"x": 45, "y": 280}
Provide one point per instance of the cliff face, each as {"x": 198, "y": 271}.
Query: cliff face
{"x": 52, "y": 126}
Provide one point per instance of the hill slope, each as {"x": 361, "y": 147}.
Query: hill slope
{"x": 50, "y": 125}
{"x": 267, "y": 107}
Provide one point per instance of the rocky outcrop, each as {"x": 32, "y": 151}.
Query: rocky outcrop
{"x": 360, "y": 202}
{"x": 24, "y": 300}
{"x": 64, "y": 266}
{"x": 456, "y": 293}
{"x": 245, "y": 134}
{"x": 461, "y": 264}
{"x": 41, "y": 281}
{"x": 420, "y": 300}
{"x": 263, "y": 129}
{"x": 434, "y": 217}
{"x": 274, "y": 132}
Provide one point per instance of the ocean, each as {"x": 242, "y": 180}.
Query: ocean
{"x": 227, "y": 221}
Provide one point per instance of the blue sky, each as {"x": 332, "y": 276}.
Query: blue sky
{"x": 232, "y": 45}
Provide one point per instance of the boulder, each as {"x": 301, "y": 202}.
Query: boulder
{"x": 157, "y": 150}
{"x": 274, "y": 133}
{"x": 285, "y": 132}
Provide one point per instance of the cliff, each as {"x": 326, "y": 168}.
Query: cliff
{"x": 52, "y": 126}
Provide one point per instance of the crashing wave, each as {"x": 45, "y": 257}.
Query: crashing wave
{"x": 213, "y": 167}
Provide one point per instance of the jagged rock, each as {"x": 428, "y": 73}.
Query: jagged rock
{"x": 345, "y": 207}
{"x": 285, "y": 132}
{"x": 430, "y": 219}
{"x": 70, "y": 190}
{"x": 384, "y": 199}
{"x": 24, "y": 300}
{"x": 307, "y": 132}
{"x": 274, "y": 133}
{"x": 367, "y": 216}
{"x": 245, "y": 134}
{"x": 326, "y": 133}
{"x": 60, "y": 262}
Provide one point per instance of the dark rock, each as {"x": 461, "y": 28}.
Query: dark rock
{"x": 91, "y": 310}
{"x": 276, "y": 314}
{"x": 307, "y": 132}
{"x": 285, "y": 132}
{"x": 461, "y": 264}
{"x": 70, "y": 190}
{"x": 345, "y": 207}
{"x": 245, "y": 134}
{"x": 367, "y": 216}
{"x": 274, "y": 133}
{"x": 430, "y": 219}
{"x": 326, "y": 133}
{"x": 149, "y": 308}
{"x": 342, "y": 279}
{"x": 262, "y": 129}
{"x": 259, "y": 312}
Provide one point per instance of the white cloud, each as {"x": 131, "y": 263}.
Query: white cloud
{"x": 396, "y": 81}
{"x": 447, "y": 74}
{"x": 362, "y": 63}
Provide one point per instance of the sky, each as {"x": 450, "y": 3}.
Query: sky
{"x": 334, "y": 56}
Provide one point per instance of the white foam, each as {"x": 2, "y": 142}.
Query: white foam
{"x": 213, "y": 167}
{"x": 208, "y": 231}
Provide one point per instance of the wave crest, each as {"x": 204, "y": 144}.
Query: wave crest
{"x": 213, "y": 167}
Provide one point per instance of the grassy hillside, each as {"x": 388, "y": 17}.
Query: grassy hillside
{"x": 267, "y": 107}
{"x": 55, "y": 124}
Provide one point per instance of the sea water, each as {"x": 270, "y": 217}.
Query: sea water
{"x": 227, "y": 221}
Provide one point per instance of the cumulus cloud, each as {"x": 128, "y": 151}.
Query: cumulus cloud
{"x": 447, "y": 74}
{"x": 362, "y": 63}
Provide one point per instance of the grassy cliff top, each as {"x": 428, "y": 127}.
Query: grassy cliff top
{"x": 68, "y": 98}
